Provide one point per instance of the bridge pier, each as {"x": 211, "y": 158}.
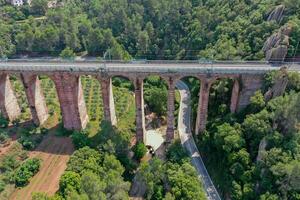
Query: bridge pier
{"x": 203, "y": 105}
{"x": 140, "y": 113}
{"x": 108, "y": 100}
{"x": 71, "y": 100}
{"x": 250, "y": 84}
{"x": 235, "y": 96}
{"x": 170, "y": 109}
{"x": 8, "y": 102}
{"x": 35, "y": 98}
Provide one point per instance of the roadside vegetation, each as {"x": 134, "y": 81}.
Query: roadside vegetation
{"x": 125, "y": 30}
{"x": 253, "y": 154}
{"x": 256, "y": 151}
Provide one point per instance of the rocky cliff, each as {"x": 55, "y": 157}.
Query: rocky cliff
{"x": 276, "y": 46}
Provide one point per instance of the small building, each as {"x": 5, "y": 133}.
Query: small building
{"x": 17, "y": 2}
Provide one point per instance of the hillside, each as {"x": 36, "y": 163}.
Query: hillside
{"x": 153, "y": 29}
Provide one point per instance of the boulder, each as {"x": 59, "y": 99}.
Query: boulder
{"x": 277, "y": 14}
{"x": 279, "y": 85}
{"x": 276, "y": 46}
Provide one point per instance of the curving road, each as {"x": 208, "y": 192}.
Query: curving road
{"x": 187, "y": 140}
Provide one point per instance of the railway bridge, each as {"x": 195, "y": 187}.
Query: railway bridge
{"x": 247, "y": 77}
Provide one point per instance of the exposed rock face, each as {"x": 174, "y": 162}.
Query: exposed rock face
{"x": 262, "y": 148}
{"x": 250, "y": 84}
{"x": 277, "y": 14}
{"x": 276, "y": 46}
{"x": 279, "y": 86}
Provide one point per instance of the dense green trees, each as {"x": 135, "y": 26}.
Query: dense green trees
{"x": 93, "y": 175}
{"x": 145, "y": 29}
{"x": 173, "y": 179}
{"x": 256, "y": 152}
{"x": 26, "y": 171}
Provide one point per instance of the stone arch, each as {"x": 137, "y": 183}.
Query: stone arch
{"x": 51, "y": 100}
{"x": 185, "y": 82}
{"x": 71, "y": 99}
{"x": 91, "y": 87}
{"x": 225, "y": 97}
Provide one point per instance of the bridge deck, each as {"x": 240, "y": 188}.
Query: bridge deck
{"x": 143, "y": 67}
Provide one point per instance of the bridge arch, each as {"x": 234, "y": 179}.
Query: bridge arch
{"x": 194, "y": 84}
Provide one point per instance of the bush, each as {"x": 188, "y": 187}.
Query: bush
{"x": 139, "y": 150}
{"x": 3, "y": 137}
{"x": 3, "y": 122}
{"x": 67, "y": 53}
{"x": 2, "y": 185}
{"x": 70, "y": 181}
{"x": 176, "y": 153}
{"x": 30, "y": 142}
{"x": 27, "y": 170}
{"x": 80, "y": 139}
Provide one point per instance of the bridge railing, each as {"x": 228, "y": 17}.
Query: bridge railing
{"x": 94, "y": 60}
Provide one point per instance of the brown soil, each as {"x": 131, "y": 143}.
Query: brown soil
{"x": 4, "y": 149}
{"x": 54, "y": 153}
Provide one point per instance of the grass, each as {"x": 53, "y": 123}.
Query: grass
{"x": 124, "y": 104}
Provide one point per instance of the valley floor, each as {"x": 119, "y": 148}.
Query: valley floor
{"x": 54, "y": 153}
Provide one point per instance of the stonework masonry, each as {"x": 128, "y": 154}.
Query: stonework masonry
{"x": 140, "y": 114}
{"x": 170, "y": 109}
{"x": 71, "y": 99}
{"x": 203, "y": 105}
{"x": 250, "y": 84}
{"x": 8, "y": 102}
{"x": 108, "y": 100}
{"x": 235, "y": 96}
{"x": 35, "y": 97}
{"x": 73, "y": 108}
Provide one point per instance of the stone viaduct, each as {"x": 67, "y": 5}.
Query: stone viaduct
{"x": 66, "y": 77}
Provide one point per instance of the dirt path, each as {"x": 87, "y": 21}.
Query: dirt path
{"x": 54, "y": 152}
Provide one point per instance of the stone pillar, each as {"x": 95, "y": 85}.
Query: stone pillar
{"x": 140, "y": 114}
{"x": 35, "y": 98}
{"x": 8, "y": 102}
{"x": 203, "y": 105}
{"x": 71, "y": 99}
{"x": 171, "y": 109}
{"x": 235, "y": 96}
{"x": 250, "y": 84}
{"x": 108, "y": 100}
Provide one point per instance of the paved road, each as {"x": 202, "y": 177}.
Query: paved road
{"x": 141, "y": 67}
{"x": 187, "y": 140}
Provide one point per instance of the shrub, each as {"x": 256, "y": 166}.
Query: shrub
{"x": 30, "y": 142}
{"x": 176, "y": 153}
{"x": 67, "y": 53}
{"x": 139, "y": 150}
{"x": 27, "y": 170}
{"x": 3, "y": 122}
{"x": 3, "y": 137}
{"x": 70, "y": 181}
{"x": 80, "y": 139}
{"x": 2, "y": 185}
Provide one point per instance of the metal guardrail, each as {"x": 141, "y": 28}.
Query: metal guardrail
{"x": 91, "y": 60}
{"x": 224, "y": 67}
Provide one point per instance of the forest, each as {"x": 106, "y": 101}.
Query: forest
{"x": 250, "y": 155}
{"x": 153, "y": 29}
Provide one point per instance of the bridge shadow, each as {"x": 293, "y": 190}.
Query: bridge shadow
{"x": 54, "y": 141}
